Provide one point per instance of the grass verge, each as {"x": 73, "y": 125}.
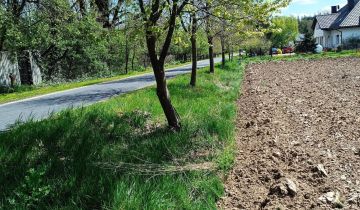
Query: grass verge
{"x": 120, "y": 155}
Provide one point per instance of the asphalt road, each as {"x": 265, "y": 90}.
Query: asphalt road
{"x": 40, "y": 107}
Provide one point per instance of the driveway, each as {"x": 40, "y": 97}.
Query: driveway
{"x": 40, "y": 107}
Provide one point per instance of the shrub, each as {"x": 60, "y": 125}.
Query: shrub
{"x": 339, "y": 48}
{"x": 33, "y": 189}
{"x": 308, "y": 45}
{"x": 352, "y": 43}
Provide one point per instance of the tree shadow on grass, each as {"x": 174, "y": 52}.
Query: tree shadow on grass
{"x": 55, "y": 162}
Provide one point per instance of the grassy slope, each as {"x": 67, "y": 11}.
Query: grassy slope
{"x": 24, "y": 92}
{"x": 119, "y": 154}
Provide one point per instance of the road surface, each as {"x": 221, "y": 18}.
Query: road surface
{"x": 40, "y": 107}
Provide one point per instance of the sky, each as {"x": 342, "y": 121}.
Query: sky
{"x": 310, "y": 7}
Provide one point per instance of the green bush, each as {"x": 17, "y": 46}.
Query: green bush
{"x": 307, "y": 45}
{"x": 352, "y": 43}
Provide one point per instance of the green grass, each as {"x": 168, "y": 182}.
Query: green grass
{"x": 23, "y": 92}
{"x": 119, "y": 154}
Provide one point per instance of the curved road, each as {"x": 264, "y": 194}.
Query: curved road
{"x": 41, "y": 106}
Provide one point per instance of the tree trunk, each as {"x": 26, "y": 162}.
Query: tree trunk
{"x": 127, "y": 56}
{"x": 82, "y": 7}
{"x": 164, "y": 98}
{"x": 2, "y": 37}
{"x": 211, "y": 54}
{"x": 104, "y": 13}
{"x": 223, "y": 52}
{"x": 133, "y": 59}
{"x": 161, "y": 86}
{"x": 127, "y": 50}
{"x": 193, "y": 50}
{"x": 210, "y": 39}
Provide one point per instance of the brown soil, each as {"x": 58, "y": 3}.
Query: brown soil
{"x": 294, "y": 118}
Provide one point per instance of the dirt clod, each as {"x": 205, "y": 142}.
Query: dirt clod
{"x": 321, "y": 170}
{"x": 291, "y": 186}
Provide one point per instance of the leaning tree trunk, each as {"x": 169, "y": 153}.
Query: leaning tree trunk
{"x": 193, "y": 50}
{"x": 164, "y": 98}
{"x": 211, "y": 54}
{"x": 163, "y": 93}
{"x": 158, "y": 63}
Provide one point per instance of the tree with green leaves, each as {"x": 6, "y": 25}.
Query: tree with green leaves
{"x": 286, "y": 30}
{"x": 214, "y": 14}
{"x": 85, "y": 38}
{"x": 189, "y": 23}
{"x": 305, "y": 24}
{"x": 228, "y": 17}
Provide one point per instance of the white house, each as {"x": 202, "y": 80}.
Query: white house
{"x": 342, "y": 24}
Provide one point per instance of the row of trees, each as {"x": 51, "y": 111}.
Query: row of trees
{"x": 220, "y": 18}
{"x": 85, "y": 37}
{"x": 286, "y": 29}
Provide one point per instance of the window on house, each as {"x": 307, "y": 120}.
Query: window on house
{"x": 337, "y": 39}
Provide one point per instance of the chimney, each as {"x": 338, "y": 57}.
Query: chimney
{"x": 334, "y": 9}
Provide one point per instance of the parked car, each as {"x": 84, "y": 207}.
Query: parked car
{"x": 276, "y": 51}
{"x": 288, "y": 50}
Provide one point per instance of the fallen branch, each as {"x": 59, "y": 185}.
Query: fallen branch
{"x": 151, "y": 169}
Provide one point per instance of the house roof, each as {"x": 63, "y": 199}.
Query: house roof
{"x": 344, "y": 18}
